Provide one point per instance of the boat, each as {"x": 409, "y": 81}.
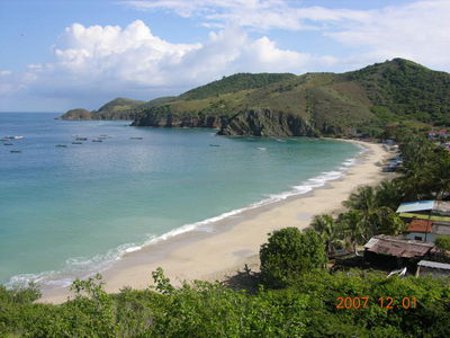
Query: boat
{"x": 16, "y": 137}
{"x": 8, "y": 144}
{"x": 61, "y": 146}
{"x": 77, "y": 142}
{"x": 214, "y": 145}
{"x": 97, "y": 140}
{"x": 81, "y": 139}
{"x": 15, "y": 151}
{"x": 136, "y": 138}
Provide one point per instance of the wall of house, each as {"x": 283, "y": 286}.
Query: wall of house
{"x": 430, "y": 236}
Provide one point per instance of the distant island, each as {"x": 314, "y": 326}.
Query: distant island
{"x": 361, "y": 102}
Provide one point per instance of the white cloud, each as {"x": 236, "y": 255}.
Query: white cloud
{"x": 418, "y": 31}
{"x": 108, "y": 61}
{"x": 94, "y": 64}
{"x": 257, "y": 14}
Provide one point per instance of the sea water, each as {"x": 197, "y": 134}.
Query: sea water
{"x": 68, "y": 210}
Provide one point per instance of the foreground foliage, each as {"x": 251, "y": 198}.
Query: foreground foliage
{"x": 307, "y": 308}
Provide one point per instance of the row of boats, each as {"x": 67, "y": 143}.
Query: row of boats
{"x": 7, "y": 140}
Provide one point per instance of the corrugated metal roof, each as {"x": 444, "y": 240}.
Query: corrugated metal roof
{"x": 387, "y": 245}
{"x": 420, "y": 225}
{"x": 416, "y": 206}
{"x": 442, "y": 207}
{"x": 434, "y": 265}
{"x": 371, "y": 243}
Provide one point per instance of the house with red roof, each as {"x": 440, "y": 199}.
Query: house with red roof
{"x": 420, "y": 230}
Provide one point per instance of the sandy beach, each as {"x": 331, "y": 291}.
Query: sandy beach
{"x": 220, "y": 249}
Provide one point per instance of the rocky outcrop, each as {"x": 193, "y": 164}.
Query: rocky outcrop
{"x": 262, "y": 122}
{"x": 265, "y": 122}
{"x": 164, "y": 117}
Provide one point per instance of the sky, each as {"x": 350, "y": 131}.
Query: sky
{"x": 60, "y": 54}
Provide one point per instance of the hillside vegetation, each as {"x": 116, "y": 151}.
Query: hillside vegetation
{"x": 362, "y": 101}
{"x": 117, "y": 109}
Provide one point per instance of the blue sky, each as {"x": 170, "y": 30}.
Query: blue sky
{"x": 60, "y": 54}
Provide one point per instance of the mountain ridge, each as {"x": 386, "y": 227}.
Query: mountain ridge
{"x": 312, "y": 104}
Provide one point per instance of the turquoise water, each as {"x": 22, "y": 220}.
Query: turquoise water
{"x": 68, "y": 211}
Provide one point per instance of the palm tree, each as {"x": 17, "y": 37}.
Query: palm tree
{"x": 389, "y": 194}
{"x": 353, "y": 228}
{"x": 327, "y": 229}
{"x": 364, "y": 199}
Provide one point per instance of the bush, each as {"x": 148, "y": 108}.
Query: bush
{"x": 443, "y": 242}
{"x": 289, "y": 253}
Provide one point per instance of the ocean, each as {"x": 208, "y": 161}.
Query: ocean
{"x": 71, "y": 209}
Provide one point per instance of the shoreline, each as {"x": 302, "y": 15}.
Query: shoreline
{"x": 215, "y": 251}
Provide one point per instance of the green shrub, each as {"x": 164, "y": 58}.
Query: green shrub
{"x": 443, "y": 242}
{"x": 288, "y": 253}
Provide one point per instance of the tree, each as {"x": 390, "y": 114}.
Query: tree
{"x": 389, "y": 194}
{"x": 328, "y": 231}
{"x": 289, "y": 253}
{"x": 387, "y": 222}
{"x": 364, "y": 199}
{"x": 352, "y": 227}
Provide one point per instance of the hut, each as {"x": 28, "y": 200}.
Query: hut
{"x": 392, "y": 253}
{"x": 435, "y": 269}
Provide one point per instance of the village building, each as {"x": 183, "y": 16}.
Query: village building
{"x": 435, "y": 269}
{"x": 420, "y": 230}
{"x": 426, "y": 220}
{"x": 393, "y": 253}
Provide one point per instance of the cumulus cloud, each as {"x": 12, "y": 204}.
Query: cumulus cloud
{"x": 111, "y": 61}
{"x": 417, "y": 31}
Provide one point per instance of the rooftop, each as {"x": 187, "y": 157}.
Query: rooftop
{"x": 441, "y": 207}
{"x": 416, "y": 206}
{"x": 391, "y": 246}
{"x": 419, "y": 225}
{"x": 434, "y": 265}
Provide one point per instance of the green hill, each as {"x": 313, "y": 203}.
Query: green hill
{"x": 117, "y": 109}
{"x": 361, "y": 101}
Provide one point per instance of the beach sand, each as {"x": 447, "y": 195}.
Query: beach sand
{"x": 221, "y": 249}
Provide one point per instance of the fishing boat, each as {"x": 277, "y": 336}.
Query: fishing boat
{"x": 15, "y": 151}
{"x": 16, "y": 137}
{"x": 61, "y": 146}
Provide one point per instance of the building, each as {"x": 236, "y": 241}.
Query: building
{"x": 426, "y": 219}
{"x": 435, "y": 269}
{"x": 420, "y": 230}
{"x": 393, "y": 253}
